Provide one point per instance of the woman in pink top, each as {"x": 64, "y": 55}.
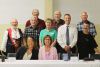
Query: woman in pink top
{"x": 47, "y": 52}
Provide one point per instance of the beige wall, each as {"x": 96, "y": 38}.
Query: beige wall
{"x": 48, "y": 8}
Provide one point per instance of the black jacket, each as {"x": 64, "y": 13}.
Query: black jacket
{"x": 22, "y": 50}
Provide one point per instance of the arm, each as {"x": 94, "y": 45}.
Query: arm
{"x": 53, "y": 43}
{"x": 55, "y": 37}
{"x": 40, "y": 54}
{"x": 60, "y": 38}
{"x": 55, "y": 54}
{"x": 4, "y": 42}
{"x": 75, "y": 35}
{"x": 40, "y": 43}
{"x": 40, "y": 39}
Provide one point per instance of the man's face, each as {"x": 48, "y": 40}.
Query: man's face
{"x": 67, "y": 19}
{"x": 14, "y": 23}
{"x": 85, "y": 28}
{"x": 57, "y": 15}
{"x": 35, "y": 13}
{"x": 33, "y": 21}
{"x": 84, "y": 16}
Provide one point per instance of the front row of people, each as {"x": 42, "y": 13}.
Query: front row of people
{"x": 30, "y": 52}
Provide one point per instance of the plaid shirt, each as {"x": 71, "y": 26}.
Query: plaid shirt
{"x": 33, "y": 32}
{"x": 92, "y": 28}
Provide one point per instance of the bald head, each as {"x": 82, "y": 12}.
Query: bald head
{"x": 35, "y": 12}
{"x": 14, "y": 22}
{"x": 84, "y": 16}
{"x": 57, "y": 15}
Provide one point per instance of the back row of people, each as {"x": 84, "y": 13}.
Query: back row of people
{"x": 37, "y": 29}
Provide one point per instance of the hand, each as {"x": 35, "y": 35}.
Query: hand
{"x": 67, "y": 48}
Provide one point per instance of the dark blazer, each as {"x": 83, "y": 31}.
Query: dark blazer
{"x": 22, "y": 50}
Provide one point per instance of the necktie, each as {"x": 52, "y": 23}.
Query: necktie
{"x": 67, "y": 35}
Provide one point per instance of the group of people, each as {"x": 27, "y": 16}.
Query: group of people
{"x": 43, "y": 40}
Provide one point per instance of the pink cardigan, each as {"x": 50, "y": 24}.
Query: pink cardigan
{"x": 52, "y": 55}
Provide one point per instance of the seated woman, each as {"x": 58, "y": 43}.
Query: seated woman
{"x": 47, "y": 52}
{"x": 28, "y": 51}
{"x": 86, "y": 42}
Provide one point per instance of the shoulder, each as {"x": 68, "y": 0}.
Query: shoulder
{"x": 42, "y": 48}
{"x": 53, "y": 48}
{"x": 53, "y": 30}
{"x": 73, "y": 27}
{"x": 61, "y": 27}
{"x": 27, "y": 27}
{"x": 22, "y": 48}
{"x": 43, "y": 30}
{"x": 91, "y": 23}
{"x": 40, "y": 20}
{"x": 61, "y": 19}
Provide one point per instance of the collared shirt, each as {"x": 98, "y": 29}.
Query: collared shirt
{"x": 51, "y": 32}
{"x": 92, "y": 28}
{"x": 33, "y": 32}
{"x": 61, "y": 37}
{"x": 15, "y": 35}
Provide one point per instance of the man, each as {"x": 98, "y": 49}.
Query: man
{"x": 86, "y": 43}
{"x": 40, "y": 22}
{"x": 67, "y": 35}
{"x": 57, "y": 21}
{"x": 33, "y": 30}
{"x": 12, "y": 38}
{"x": 84, "y": 17}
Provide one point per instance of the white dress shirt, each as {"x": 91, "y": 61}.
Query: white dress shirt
{"x": 61, "y": 37}
{"x": 15, "y": 35}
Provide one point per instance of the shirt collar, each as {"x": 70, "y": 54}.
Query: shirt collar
{"x": 67, "y": 25}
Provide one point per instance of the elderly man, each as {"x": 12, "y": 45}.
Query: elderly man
{"x": 33, "y": 30}
{"x": 84, "y": 17}
{"x": 57, "y": 21}
{"x": 40, "y": 22}
{"x": 12, "y": 38}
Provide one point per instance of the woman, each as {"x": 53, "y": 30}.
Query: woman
{"x": 47, "y": 52}
{"x": 28, "y": 51}
{"x": 48, "y": 31}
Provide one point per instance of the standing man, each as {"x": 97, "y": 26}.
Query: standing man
{"x": 86, "y": 43}
{"x": 12, "y": 38}
{"x": 84, "y": 17}
{"x": 67, "y": 35}
{"x": 57, "y": 21}
{"x": 33, "y": 30}
{"x": 40, "y": 22}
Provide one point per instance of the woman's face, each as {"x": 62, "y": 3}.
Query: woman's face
{"x": 48, "y": 24}
{"x": 47, "y": 41}
{"x": 30, "y": 43}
